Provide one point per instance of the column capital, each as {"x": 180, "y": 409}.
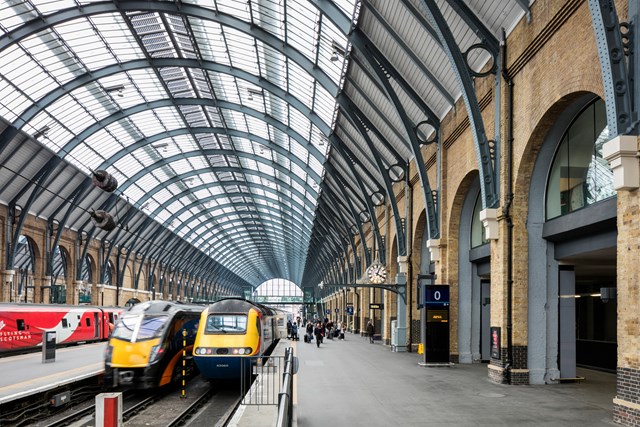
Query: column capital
{"x": 622, "y": 154}
{"x": 489, "y": 218}
{"x": 434, "y": 248}
{"x": 403, "y": 264}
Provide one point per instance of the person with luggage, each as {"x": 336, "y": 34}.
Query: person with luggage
{"x": 309, "y": 335}
{"x": 318, "y": 332}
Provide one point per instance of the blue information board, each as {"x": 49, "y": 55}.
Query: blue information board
{"x": 435, "y": 295}
{"x": 350, "y": 310}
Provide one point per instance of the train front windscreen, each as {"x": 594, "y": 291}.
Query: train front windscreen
{"x": 134, "y": 328}
{"x": 223, "y": 323}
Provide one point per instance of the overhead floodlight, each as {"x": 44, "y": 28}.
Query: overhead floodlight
{"x": 104, "y": 180}
{"x": 41, "y": 132}
{"x": 162, "y": 145}
{"x": 338, "y": 51}
{"x": 118, "y": 89}
{"x": 252, "y": 92}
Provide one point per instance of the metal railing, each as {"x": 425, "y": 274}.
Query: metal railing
{"x": 267, "y": 373}
{"x": 285, "y": 397}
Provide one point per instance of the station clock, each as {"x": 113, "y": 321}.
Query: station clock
{"x": 377, "y": 273}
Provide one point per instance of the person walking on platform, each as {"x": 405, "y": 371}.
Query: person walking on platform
{"x": 371, "y": 330}
{"x": 294, "y": 332}
{"x": 309, "y": 331}
{"x": 318, "y": 332}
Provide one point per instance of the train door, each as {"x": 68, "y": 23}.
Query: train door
{"x": 96, "y": 325}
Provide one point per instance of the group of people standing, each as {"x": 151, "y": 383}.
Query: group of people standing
{"x": 320, "y": 329}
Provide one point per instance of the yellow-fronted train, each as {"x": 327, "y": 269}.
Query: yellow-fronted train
{"x": 233, "y": 331}
{"x": 149, "y": 343}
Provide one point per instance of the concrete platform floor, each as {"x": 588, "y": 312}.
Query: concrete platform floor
{"x": 353, "y": 383}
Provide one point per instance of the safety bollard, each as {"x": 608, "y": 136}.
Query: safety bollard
{"x": 109, "y": 410}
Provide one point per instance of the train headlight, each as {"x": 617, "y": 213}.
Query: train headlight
{"x": 156, "y": 353}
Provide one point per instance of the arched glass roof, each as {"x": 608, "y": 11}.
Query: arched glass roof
{"x": 251, "y": 139}
{"x": 213, "y": 115}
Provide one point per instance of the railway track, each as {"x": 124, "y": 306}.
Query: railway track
{"x": 167, "y": 408}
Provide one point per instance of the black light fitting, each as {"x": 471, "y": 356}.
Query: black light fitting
{"x": 104, "y": 180}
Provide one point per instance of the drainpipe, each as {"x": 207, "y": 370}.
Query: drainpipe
{"x": 409, "y": 233}
{"x": 506, "y": 211}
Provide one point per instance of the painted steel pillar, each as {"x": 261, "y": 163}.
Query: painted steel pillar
{"x": 401, "y": 302}
{"x": 7, "y": 285}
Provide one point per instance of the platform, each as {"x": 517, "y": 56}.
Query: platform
{"x": 355, "y": 383}
{"x": 25, "y": 374}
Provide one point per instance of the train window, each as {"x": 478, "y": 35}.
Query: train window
{"x": 224, "y": 323}
{"x": 64, "y": 323}
{"x": 20, "y": 324}
{"x": 88, "y": 321}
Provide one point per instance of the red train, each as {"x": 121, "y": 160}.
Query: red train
{"x": 21, "y": 325}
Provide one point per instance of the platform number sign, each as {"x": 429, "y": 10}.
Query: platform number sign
{"x": 350, "y": 310}
{"x": 436, "y": 295}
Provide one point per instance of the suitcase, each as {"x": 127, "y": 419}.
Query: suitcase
{"x": 306, "y": 338}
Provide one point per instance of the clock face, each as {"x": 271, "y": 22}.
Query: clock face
{"x": 377, "y": 273}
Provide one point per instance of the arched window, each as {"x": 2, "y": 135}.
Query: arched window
{"x": 478, "y": 234}
{"x": 579, "y": 175}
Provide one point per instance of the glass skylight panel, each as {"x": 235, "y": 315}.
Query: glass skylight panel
{"x": 81, "y": 37}
{"x": 53, "y": 56}
{"x": 301, "y": 27}
{"x": 225, "y": 87}
{"x": 302, "y": 89}
{"x": 133, "y": 192}
{"x": 129, "y": 165}
{"x": 324, "y": 105}
{"x": 26, "y": 74}
{"x": 237, "y": 8}
{"x": 299, "y": 122}
{"x": 148, "y": 84}
{"x": 71, "y": 114}
{"x": 85, "y": 156}
{"x": 11, "y": 101}
{"x": 163, "y": 216}
{"x": 241, "y": 50}
{"x": 208, "y": 37}
{"x": 14, "y": 14}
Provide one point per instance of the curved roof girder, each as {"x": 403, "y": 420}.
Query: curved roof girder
{"x": 265, "y": 224}
{"x": 196, "y": 172}
{"x": 230, "y": 195}
{"x": 488, "y": 183}
{"x": 344, "y": 102}
{"x": 290, "y": 224}
{"x": 358, "y": 221}
{"x": 388, "y": 187}
{"x": 618, "y": 96}
{"x": 417, "y": 61}
{"x": 208, "y": 130}
{"x": 176, "y": 102}
{"x": 38, "y": 188}
{"x": 267, "y": 218}
{"x": 383, "y": 68}
{"x": 243, "y": 204}
{"x": 43, "y": 22}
